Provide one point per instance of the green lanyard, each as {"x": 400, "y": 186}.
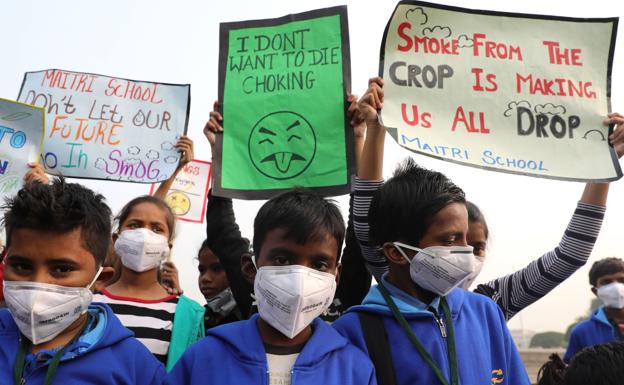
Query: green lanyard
{"x": 452, "y": 353}
{"x": 20, "y": 362}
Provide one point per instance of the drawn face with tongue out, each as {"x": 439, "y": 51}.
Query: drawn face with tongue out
{"x": 282, "y": 145}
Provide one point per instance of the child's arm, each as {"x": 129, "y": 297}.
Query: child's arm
{"x": 520, "y": 289}
{"x": 222, "y": 231}
{"x": 370, "y": 175}
{"x": 185, "y": 146}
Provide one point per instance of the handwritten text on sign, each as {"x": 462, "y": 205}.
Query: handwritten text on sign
{"x": 508, "y": 92}
{"x": 102, "y": 127}
{"x": 21, "y": 133}
{"x": 188, "y": 195}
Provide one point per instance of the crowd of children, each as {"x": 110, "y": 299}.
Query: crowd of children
{"x": 89, "y": 303}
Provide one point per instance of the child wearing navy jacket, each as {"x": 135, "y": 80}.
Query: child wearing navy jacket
{"x": 297, "y": 240}
{"x": 606, "y": 324}
{"x": 57, "y": 238}
{"x": 416, "y": 325}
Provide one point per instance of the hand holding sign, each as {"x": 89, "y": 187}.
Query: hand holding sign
{"x": 616, "y": 139}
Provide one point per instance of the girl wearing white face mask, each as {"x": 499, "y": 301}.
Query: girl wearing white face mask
{"x": 143, "y": 242}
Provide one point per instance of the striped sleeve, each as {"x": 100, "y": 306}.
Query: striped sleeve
{"x": 362, "y": 197}
{"x": 518, "y": 290}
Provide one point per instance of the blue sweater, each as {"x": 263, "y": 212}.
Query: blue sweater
{"x": 486, "y": 353}
{"x": 234, "y": 354}
{"x": 105, "y": 354}
{"x": 596, "y": 330}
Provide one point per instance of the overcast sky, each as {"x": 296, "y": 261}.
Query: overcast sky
{"x": 177, "y": 42}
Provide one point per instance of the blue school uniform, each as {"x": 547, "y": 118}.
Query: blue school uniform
{"x": 485, "y": 350}
{"x": 596, "y": 330}
{"x": 234, "y": 354}
{"x": 106, "y": 353}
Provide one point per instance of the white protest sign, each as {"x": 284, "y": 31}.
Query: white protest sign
{"x": 188, "y": 194}
{"x": 515, "y": 93}
{"x": 103, "y": 127}
{"x": 21, "y": 136}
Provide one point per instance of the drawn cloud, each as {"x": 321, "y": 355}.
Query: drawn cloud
{"x": 512, "y": 106}
{"x": 167, "y": 146}
{"x": 171, "y": 159}
{"x": 550, "y": 109}
{"x": 437, "y": 32}
{"x": 151, "y": 154}
{"x": 100, "y": 164}
{"x": 134, "y": 150}
{"x": 417, "y": 16}
{"x": 464, "y": 41}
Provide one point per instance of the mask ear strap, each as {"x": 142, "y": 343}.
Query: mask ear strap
{"x": 97, "y": 275}
{"x": 398, "y": 245}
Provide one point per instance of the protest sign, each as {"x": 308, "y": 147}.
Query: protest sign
{"x": 283, "y": 85}
{"x": 21, "y": 136}
{"x": 524, "y": 94}
{"x": 188, "y": 194}
{"x": 101, "y": 127}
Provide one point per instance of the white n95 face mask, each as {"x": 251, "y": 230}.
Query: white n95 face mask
{"x": 612, "y": 295}
{"x": 439, "y": 269}
{"x": 289, "y": 298}
{"x": 141, "y": 249}
{"x": 42, "y": 311}
{"x": 477, "y": 270}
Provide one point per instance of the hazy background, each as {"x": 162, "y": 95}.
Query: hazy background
{"x": 177, "y": 42}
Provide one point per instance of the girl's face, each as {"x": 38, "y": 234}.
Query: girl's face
{"x": 212, "y": 278}
{"x": 477, "y": 239}
{"x": 149, "y": 216}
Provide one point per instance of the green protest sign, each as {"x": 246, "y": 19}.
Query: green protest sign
{"x": 283, "y": 85}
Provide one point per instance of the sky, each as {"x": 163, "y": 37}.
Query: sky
{"x": 177, "y": 42}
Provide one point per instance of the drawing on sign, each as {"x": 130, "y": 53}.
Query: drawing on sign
{"x": 527, "y": 98}
{"x": 103, "y": 127}
{"x": 282, "y": 145}
{"x": 179, "y": 202}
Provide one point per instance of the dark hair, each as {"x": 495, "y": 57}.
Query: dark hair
{"x": 595, "y": 365}
{"x": 604, "y": 267}
{"x": 476, "y": 216}
{"x": 304, "y": 216}
{"x": 403, "y": 206}
{"x": 61, "y": 207}
{"x": 125, "y": 212}
{"x": 551, "y": 373}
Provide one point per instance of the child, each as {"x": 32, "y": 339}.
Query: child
{"x": 606, "y": 324}
{"x": 225, "y": 240}
{"x": 213, "y": 283}
{"x": 435, "y": 335}
{"x": 57, "y": 237}
{"x": 166, "y": 323}
{"x": 297, "y": 240}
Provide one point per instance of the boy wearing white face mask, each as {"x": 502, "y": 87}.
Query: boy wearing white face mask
{"x": 417, "y": 326}
{"x": 52, "y": 333}
{"x": 606, "y": 324}
{"x": 297, "y": 238}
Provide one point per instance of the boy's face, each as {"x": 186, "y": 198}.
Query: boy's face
{"x": 49, "y": 257}
{"x": 448, "y": 227}
{"x": 609, "y": 278}
{"x": 319, "y": 254}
